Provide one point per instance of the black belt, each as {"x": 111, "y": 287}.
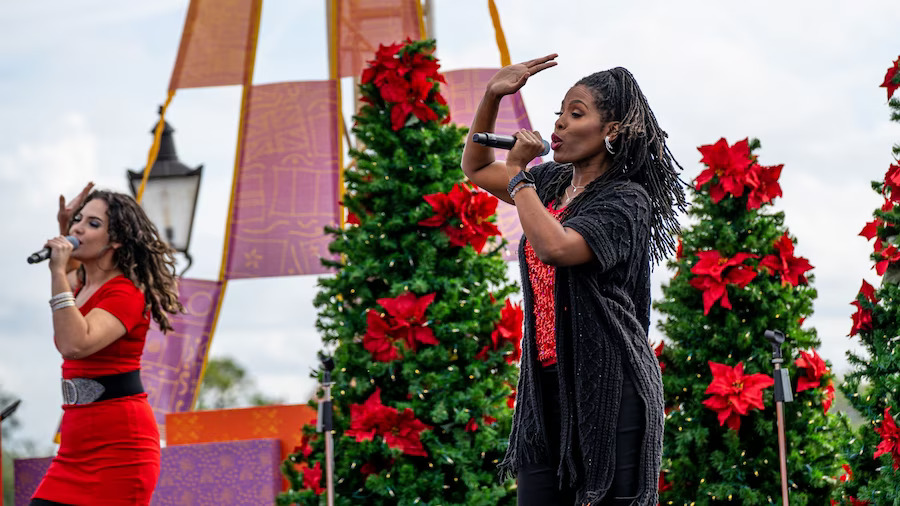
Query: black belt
{"x": 101, "y": 388}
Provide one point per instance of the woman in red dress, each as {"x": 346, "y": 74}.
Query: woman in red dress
{"x": 103, "y": 295}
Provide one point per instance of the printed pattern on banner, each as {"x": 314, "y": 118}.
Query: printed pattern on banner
{"x": 286, "y": 190}
{"x": 172, "y": 362}
{"x": 464, "y": 90}
{"x": 215, "y": 44}
{"x": 362, "y": 26}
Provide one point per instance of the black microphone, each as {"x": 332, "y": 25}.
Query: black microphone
{"x": 40, "y": 256}
{"x": 503, "y": 141}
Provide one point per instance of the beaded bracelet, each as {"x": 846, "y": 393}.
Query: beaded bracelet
{"x": 515, "y": 190}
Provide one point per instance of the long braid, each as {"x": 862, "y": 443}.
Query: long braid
{"x": 146, "y": 259}
{"x": 641, "y": 155}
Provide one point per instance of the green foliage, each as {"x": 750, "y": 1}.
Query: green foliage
{"x": 386, "y": 255}
{"x": 873, "y": 383}
{"x": 705, "y": 463}
{"x": 226, "y": 385}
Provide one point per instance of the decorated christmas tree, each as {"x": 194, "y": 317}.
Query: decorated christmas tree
{"x": 417, "y": 317}
{"x": 873, "y": 386}
{"x": 737, "y": 275}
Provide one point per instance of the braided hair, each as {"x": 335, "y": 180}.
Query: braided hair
{"x": 641, "y": 155}
{"x": 145, "y": 259}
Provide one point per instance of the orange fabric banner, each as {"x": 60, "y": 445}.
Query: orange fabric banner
{"x": 216, "y": 44}
{"x": 364, "y": 24}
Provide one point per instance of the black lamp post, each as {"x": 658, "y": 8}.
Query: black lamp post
{"x": 170, "y": 195}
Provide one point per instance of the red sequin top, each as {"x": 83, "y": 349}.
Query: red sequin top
{"x": 542, "y": 276}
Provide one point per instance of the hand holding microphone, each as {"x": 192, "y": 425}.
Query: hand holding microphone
{"x": 493, "y": 140}
{"x": 44, "y": 254}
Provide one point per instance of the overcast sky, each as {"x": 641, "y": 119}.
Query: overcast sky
{"x": 80, "y": 83}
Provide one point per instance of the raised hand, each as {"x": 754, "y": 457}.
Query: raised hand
{"x": 67, "y": 211}
{"x": 511, "y": 78}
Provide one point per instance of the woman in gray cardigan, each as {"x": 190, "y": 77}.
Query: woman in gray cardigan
{"x": 588, "y": 424}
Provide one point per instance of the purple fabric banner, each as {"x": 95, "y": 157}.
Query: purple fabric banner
{"x": 464, "y": 90}
{"x": 171, "y": 363}
{"x": 287, "y": 186}
{"x": 28, "y": 475}
{"x": 234, "y": 472}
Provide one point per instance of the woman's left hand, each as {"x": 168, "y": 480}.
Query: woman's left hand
{"x": 528, "y": 146}
{"x": 60, "y": 251}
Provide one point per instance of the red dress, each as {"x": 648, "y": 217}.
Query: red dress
{"x": 109, "y": 450}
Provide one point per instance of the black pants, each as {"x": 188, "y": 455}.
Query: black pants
{"x": 44, "y": 502}
{"x": 538, "y": 484}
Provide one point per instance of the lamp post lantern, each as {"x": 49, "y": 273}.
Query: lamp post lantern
{"x": 170, "y": 195}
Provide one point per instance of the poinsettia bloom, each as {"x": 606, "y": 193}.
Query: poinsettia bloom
{"x": 312, "y": 477}
{"x": 856, "y": 502}
{"x": 463, "y": 215}
{"x": 765, "y": 186}
{"x": 509, "y": 330}
{"x": 405, "y": 434}
{"x": 663, "y": 484}
{"x": 734, "y": 394}
{"x": 489, "y": 420}
{"x": 658, "y": 351}
{"x": 890, "y": 438}
{"x": 511, "y": 399}
{"x": 862, "y": 319}
{"x": 813, "y": 369}
{"x": 729, "y": 165}
{"x": 384, "y": 64}
{"x": 791, "y": 269}
{"x": 892, "y": 79}
{"x": 408, "y": 320}
{"x": 871, "y": 229}
{"x": 887, "y": 255}
{"x": 304, "y": 446}
{"x": 377, "y": 340}
{"x": 829, "y": 397}
{"x": 891, "y": 188}
{"x": 472, "y": 425}
{"x": 711, "y": 278}
{"x": 368, "y": 417}
{"x": 848, "y": 474}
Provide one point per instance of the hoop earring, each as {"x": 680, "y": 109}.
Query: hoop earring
{"x": 609, "y": 146}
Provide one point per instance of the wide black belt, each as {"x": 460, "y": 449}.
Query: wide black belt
{"x": 101, "y": 388}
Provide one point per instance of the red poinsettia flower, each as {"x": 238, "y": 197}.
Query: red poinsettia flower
{"x": 829, "y": 397}
{"x": 856, "y": 502}
{"x": 378, "y": 340}
{"x": 463, "y": 216}
{"x": 862, "y": 320}
{"x": 408, "y": 320}
{"x": 871, "y": 229}
{"x": 384, "y": 65}
{"x": 886, "y": 254}
{"x": 511, "y": 399}
{"x": 813, "y": 369}
{"x": 657, "y": 350}
{"x": 312, "y": 477}
{"x": 891, "y": 188}
{"x": 489, "y": 420}
{"x": 405, "y": 433}
{"x": 734, "y": 394}
{"x": 890, "y": 438}
{"x": 712, "y": 279}
{"x": 790, "y": 268}
{"x": 508, "y": 330}
{"x": 892, "y": 79}
{"x": 728, "y": 165}
{"x": 367, "y": 418}
{"x": 304, "y": 446}
{"x": 848, "y": 474}
{"x": 765, "y": 186}
{"x": 472, "y": 425}
{"x": 663, "y": 484}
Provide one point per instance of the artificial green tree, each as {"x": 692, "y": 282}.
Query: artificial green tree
{"x": 417, "y": 316}
{"x": 736, "y": 276}
{"x": 873, "y": 385}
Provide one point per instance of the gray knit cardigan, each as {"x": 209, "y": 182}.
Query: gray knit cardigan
{"x": 602, "y": 315}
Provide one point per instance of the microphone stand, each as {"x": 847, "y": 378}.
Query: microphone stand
{"x": 782, "y": 394}
{"x": 325, "y": 425}
{"x": 6, "y": 413}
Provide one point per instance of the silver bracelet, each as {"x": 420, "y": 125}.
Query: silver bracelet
{"x": 515, "y": 190}
{"x": 60, "y": 296}
{"x": 63, "y": 304}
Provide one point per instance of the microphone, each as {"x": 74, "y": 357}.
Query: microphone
{"x": 503, "y": 141}
{"x": 40, "y": 256}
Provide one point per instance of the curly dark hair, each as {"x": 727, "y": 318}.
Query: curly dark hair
{"x": 641, "y": 155}
{"x": 146, "y": 259}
